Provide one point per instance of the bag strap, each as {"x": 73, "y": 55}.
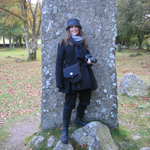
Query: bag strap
{"x": 82, "y": 52}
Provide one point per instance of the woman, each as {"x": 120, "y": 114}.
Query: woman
{"x": 71, "y": 50}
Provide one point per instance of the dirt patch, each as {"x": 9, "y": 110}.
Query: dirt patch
{"x": 20, "y": 131}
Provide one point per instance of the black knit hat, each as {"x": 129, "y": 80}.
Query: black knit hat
{"x": 73, "y": 21}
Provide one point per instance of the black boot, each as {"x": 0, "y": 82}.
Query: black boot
{"x": 64, "y": 134}
{"x": 80, "y": 112}
{"x": 66, "y": 122}
{"x": 78, "y": 121}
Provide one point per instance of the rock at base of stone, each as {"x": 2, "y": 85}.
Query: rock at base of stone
{"x": 132, "y": 85}
{"x": 61, "y": 146}
{"x": 37, "y": 140}
{"x": 95, "y": 135}
{"x": 51, "y": 141}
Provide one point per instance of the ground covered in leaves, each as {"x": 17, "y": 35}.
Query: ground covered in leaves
{"x": 134, "y": 112}
{"x": 20, "y": 94}
{"x": 20, "y": 91}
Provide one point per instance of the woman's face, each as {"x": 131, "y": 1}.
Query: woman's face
{"x": 74, "y": 30}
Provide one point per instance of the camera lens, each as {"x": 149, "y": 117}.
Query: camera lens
{"x": 93, "y": 60}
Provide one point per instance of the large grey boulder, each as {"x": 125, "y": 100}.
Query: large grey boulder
{"x": 132, "y": 85}
{"x": 96, "y": 136}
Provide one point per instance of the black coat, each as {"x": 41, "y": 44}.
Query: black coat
{"x": 66, "y": 57}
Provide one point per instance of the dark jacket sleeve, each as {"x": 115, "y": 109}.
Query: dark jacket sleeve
{"x": 88, "y": 52}
{"x": 59, "y": 64}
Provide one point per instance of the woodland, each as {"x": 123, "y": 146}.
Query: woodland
{"x": 21, "y": 21}
{"x": 133, "y": 23}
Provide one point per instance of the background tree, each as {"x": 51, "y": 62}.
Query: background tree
{"x": 124, "y": 18}
{"x": 36, "y": 17}
{"x": 30, "y": 15}
{"x": 11, "y": 26}
{"x": 133, "y": 20}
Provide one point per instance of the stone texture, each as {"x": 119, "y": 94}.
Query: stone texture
{"x": 132, "y": 85}
{"x": 136, "y": 137}
{"x": 61, "y": 146}
{"x": 36, "y": 141}
{"x": 145, "y": 148}
{"x": 51, "y": 141}
{"x": 96, "y": 136}
{"x": 98, "y": 21}
{"x": 121, "y": 144}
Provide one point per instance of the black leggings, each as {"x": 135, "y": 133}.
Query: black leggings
{"x": 84, "y": 97}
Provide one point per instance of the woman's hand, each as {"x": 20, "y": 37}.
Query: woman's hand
{"x": 89, "y": 61}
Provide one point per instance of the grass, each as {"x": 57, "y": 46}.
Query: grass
{"x": 20, "y": 87}
{"x": 21, "y": 91}
{"x": 134, "y": 114}
{"x": 134, "y": 119}
{"x": 139, "y": 65}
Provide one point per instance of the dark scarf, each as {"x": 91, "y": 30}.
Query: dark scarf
{"x": 79, "y": 50}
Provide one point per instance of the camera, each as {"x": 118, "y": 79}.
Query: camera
{"x": 93, "y": 60}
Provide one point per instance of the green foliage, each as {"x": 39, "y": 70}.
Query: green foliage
{"x": 129, "y": 146}
{"x": 4, "y": 134}
{"x": 10, "y": 24}
{"x": 120, "y": 134}
{"x": 32, "y": 56}
{"x": 132, "y": 20}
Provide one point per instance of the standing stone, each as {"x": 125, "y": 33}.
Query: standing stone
{"x": 98, "y": 21}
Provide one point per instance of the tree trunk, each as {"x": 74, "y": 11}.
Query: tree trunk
{"x": 20, "y": 44}
{"x": 34, "y": 47}
{"x": 33, "y": 39}
{"x": 23, "y": 5}
{"x": 3, "y": 41}
{"x": 119, "y": 47}
{"x": 10, "y": 45}
{"x": 27, "y": 40}
{"x": 140, "y": 45}
{"x": 13, "y": 41}
{"x": 127, "y": 42}
{"x": 147, "y": 46}
{"x": 17, "y": 44}
{"x": 140, "y": 40}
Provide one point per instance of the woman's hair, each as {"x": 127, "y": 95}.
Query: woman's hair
{"x": 68, "y": 34}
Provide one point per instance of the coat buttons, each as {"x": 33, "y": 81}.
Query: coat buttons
{"x": 71, "y": 73}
